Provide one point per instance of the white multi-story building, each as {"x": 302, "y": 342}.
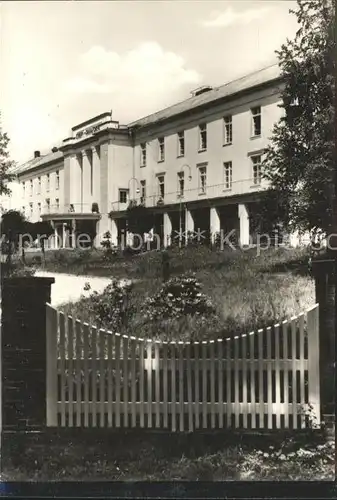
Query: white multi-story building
{"x": 195, "y": 165}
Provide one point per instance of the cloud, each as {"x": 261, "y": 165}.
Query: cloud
{"x": 230, "y": 17}
{"x": 147, "y": 67}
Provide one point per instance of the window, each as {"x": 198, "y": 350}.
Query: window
{"x": 143, "y": 191}
{"x": 181, "y": 143}
{"x": 227, "y": 174}
{"x": 161, "y": 186}
{"x": 38, "y": 185}
{"x": 123, "y": 195}
{"x": 31, "y": 209}
{"x": 161, "y": 149}
{"x": 48, "y": 182}
{"x": 256, "y": 121}
{"x": 143, "y": 155}
{"x": 57, "y": 179}
{"x": 24, "y": 210}
{"x": 181, "y": 183}
{"x": 202, "y": 179}
{"x": 39, "y": 208}
{"x": 57, "y": 204}
{"x": 202, "y": 137}
{"x": 47, "y": 205}
{"x": 228, "y": 129}
{"x": 23, "y": 189}
{"x": 31, "y": 187}
{"x": 256, "y": 161}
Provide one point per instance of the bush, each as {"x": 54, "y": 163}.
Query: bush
{"x": 112, "y": 307}
{"x": 179, "y": 296}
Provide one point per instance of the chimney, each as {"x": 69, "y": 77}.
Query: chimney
{"x": 201, "y": 90}
{"x": 54, "y": 149}
{"x": 37, "y": 154}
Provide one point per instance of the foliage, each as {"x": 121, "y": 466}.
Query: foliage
{"x": 138, "y": 219}
{"x": 107, "y": 245}
{"x": 179, "y": 296}
{"x": 300, "y": 158}
{"x": 110, "y": 308}
{"x": 5, "y": 164}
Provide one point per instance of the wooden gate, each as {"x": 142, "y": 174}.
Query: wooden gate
{"x": 265, "y": 379}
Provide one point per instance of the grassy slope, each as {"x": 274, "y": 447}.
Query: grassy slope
{"x": 249, "y": 291}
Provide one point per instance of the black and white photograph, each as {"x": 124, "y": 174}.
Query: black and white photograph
{"x": 168, "y": 225}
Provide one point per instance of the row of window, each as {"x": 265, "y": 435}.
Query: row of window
{"x": 39, "y": 207}
{"x": 39, "y": 183}
{"x": 202, "y": 180}
{"x": 202, "y": 129}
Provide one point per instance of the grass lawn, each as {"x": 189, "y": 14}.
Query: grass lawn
{"x": 157, "y": 457}
{"x": 247, "y": 290}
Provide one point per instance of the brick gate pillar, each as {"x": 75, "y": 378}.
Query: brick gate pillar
{"x": 324, "y": 272}
{"x": 23, "y": 346}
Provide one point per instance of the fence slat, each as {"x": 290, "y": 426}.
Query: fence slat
{"x": 62, "y": 320}
{"x": 125, "y": 380}
{"x": 236, "y": 382}
{"x": 293, "y": 370}
{"x": 313, "y": 361}
{"x": 70, "y": 377}
{"x": 277, "y": 375}
{"x": 285, "y": 374}
{"x": 78, "y": 336}
{"x": 133, "y": 382}
{"x": 173, "y": 384}
{"x": 229, "y": 343}
{"x": 141, "y": 382}
{"x": 302, "y": 393}
{"x": 261, "y": 395}
{"x": 204, "y": 384}
{"x": 252, "y": 340}
{"x": 86, "y": 373}
{"x": 189, "y": 388}
{"x": 51, "y": 375}
{"x": 244, "y": 381}
{"x": 157, "y": 382}
{"x": 110, "y": 389}
{"x": 149, "y": 384}
{"x": 211, "y": 347}
{"x": 118, "y": 380}
{"x": 269, "y": 380}
{"x": 165, "y": 384}
{"x": 181, "y": 389}
{"x": 93, "y": 332}
{"x": 220, "y": 386}
{"x": 102, "y": 335}
{"x": 196, "y": 353}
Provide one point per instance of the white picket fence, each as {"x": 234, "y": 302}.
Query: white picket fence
{"x": 266, "y": 379}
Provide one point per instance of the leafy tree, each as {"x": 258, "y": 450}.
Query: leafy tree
{"x": 5, "y": 164}
{"x": 138, "y": 218}
{"x": 300, "y": 158}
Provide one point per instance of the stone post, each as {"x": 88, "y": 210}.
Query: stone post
{"x": 23, "y": 347}
{"x": 324, "y": 271}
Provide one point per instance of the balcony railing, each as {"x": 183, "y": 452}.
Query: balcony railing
{"x": 76, "y": 208}
{"x": 240, "y": 187}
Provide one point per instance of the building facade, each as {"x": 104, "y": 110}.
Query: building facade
{"x": 195, "y": 166}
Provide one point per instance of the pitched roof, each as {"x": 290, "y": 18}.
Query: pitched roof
{"x": 251, "y": 80}
{"x": 36, "y": 162}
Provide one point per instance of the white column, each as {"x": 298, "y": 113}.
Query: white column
{"x": 214, "y": 222}
{"x": 73, "y": 233}
{"x": 75, "y": 182}
{"x": 86, "y": 189}
{"x": 63, "y": 236}
{"x": 244, "y": 224}
{"x": 104, "y": 225}
{"x": 114, "y": 232}
{"x": 96, "y": 175}
{"x": 167, "y": 230}
{"x": 56, "y": 238}
{"x": 189, "y": 224}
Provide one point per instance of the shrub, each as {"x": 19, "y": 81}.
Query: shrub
{"x": 112, "y": 307}
{"x": 179, "y": 296}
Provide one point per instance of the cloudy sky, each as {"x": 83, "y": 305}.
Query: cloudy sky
{"x": 64, "y": 62}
